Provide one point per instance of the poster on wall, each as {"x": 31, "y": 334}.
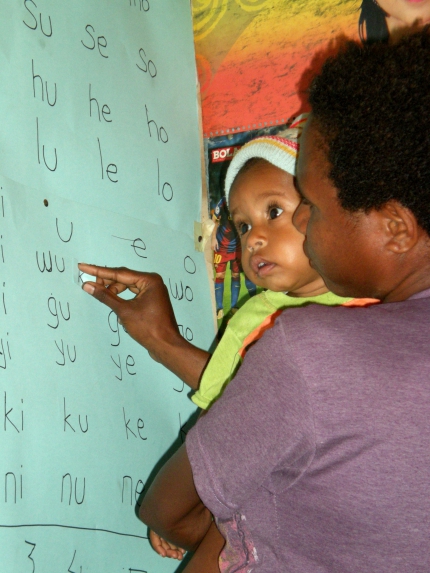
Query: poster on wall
{"x": 255, "y": 58}
{"x": 262, "y": 52}
{"x": 100, "y": 162}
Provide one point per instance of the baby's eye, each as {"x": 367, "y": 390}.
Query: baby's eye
{"x": 243, "y": 228}
{"x": 274, "y": 212}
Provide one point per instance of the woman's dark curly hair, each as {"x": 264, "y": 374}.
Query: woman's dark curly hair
{"x": 371, "y": 105}
{"x": 372, "y": 25}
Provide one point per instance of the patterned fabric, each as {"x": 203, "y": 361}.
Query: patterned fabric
{"x": 239, "y": 554}
{"x": 278, "y": 151}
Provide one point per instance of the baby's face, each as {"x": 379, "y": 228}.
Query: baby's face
{"x": 262, "y": 203}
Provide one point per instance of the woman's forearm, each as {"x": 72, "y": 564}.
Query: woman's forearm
{"x": 172, "y": 507}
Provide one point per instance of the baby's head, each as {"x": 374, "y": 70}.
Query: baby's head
{"x": 262, "y": 198}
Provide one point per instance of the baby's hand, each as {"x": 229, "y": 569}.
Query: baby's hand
{"x": 164, "y": 548}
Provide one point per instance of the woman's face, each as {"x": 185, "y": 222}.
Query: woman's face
{"x": 401, "y": 13}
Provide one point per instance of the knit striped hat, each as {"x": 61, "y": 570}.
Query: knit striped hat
{"x": 280, "y": 151}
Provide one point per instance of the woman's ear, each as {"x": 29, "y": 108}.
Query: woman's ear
{"x": 400, "y": 226}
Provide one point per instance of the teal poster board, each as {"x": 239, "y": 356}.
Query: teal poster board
{"x": 100, "y": 163}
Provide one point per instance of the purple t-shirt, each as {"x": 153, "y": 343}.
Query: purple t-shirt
{"x": 317, "y": 457}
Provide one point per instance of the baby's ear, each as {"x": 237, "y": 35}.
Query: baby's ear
{"x": 400, "y": 226}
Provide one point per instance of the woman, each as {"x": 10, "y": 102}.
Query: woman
{"x": 316, "y": 458}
